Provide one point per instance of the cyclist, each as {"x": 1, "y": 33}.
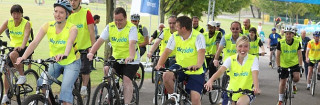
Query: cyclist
{"x": 255, "y": 43}
{"x": 288, "y": 56}
{"x": 156, "y": 33}
{"x": 218, "y": 28}
{"x": 312, "y": 53}
{"x": 142, "y": 33}
{"x": 82, "y": 18}
{"x": 227, "y": 43}
{"x": 61, "y": 35}
{"x": 246, "y": 26}
{"x": 195, "y": 24}
{"x": 189, "y": 45}
{"x": 304, "y": 44}
{"x": 272, "y": 43}
{"x": 19, "y": 31}
{"x": 96, "y": 19}
{"x": 213, "y": 38}
{"x": 249, "y": 65}
{"x": 123, "y": 36}
{"x": 163, "y": 40}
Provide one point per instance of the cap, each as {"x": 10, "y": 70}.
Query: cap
{"x": 212, "y": 23}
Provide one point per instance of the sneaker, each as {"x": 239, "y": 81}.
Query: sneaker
{"x": 21, "y": 80}
{"x": 279, "y": 103}
{"x": 308, "y": 88}
{"x": 270, "y": 64}
{"x": 295, "y": 89}
{"x": 5, "y": 99}
{"x": 83, "y": 91}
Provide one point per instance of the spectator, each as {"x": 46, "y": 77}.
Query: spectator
{"x": 96, "y": 19}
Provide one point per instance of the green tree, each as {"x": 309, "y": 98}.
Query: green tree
{"x": 296, "y": 9}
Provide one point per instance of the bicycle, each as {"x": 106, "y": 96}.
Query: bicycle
{"x": 273, "y": 57}
{"x": 47, "y": 97}
{"x": 139, "y": 78}
{"x": 179, "y": 95}
{"x": 213, "y": 95}
{"x": 160, "y": 94}
{"x": 11, "y": 74}
{"x": 288, "y": 89}
{"x": 231, "y": 92}
{"x": 155, "y": 59}
{"x": 110, "y": 91}
{"x": 314, "y": 77}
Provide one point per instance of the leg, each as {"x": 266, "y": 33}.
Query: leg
{"x": 127, "y": 89}
{"x": 129, "y": 71}
{"x": 282, "y": 85}
{"x": 309, "y": 76}
{"x": 70, "y": 75}
{"x": 195, "y": 98}
{"x": 168, "y": 80}
{"x": 6, "y": 87}
{"x": 243, "y": 100}
{"x": 13, "y": 56}
{"x": 85, "y": 72}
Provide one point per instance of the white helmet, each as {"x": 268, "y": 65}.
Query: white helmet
{"x": 289, "y": 29}
{"x": 295, "y": 29}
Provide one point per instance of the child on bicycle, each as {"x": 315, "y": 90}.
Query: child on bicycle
{"x": 244, "y": 70}
{"x": 313, "y": 50}
{"x": 288, "y": 56}
{"x": 61, "y": 35}
{"x": 255, "y": 43}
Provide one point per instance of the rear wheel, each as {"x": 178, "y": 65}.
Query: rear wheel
{"x": 135, "y": 97}
{"x": 35, "y": 99}
{"x": 313, "y": 81}
{"x": 159, "y": 94}
{"x": 77, "y": 99}
{"x": 1, "y": 87}
{"x": 273, "y": 59}
{"x": 78, "y": 85}
{"x": 102, "y": 95}
{"x": 139, "y": 76}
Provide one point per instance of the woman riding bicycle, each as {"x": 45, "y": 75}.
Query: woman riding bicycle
{"x": 245, "y": 70}
{"x": 255, "y": 43}
{"x": 61, "y": 35}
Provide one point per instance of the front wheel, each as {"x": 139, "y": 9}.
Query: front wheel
{"x": 159, "y": 94}
{"x": 135, "y": 95}
{"x": 313, "y": 81}
{"x": 214, "y": 94}
{"x": 140, "y": 76}
{"x": 102, "y": 95}
{"x": 35, "y": 99}
{"x": 77, "y": 99}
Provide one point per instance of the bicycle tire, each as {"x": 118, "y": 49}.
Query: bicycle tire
{"x": 273, "y": 60}
{"x": 1, "y": 86}
{"x": 139, "y": 79}
{"x": 135, "y": 97}
{"x": 32, "y": 78}
{"x": 97, "y": 96}
{"x": 214, "y": 95}
{"x": 169, "y": 102}
{"x": 154, "y": 73}
{"x": 34, "y": 100}
{"x": 313, "y": 81}
{"x": 77, "y": 99}
{"x": 159, "y": 94}
{"x": 290, "y": 91}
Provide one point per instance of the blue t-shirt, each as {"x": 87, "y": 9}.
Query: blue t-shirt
{"x": 274, "y": 39}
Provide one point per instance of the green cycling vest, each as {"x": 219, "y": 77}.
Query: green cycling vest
{"x": 254, "y": 47}
{"x": 164, "y": 41}
{"x": 140, "y": 35}
{"x": 289, "y": 54}
{"x": 230, "y": 48}
{"x": 211, "y": 45}
{"x": 17, "y": 33}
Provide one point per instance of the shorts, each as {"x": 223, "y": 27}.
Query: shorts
{"x": 226, "y": 98}
{"x": 285, "y": 73}
{"x": 21, "y": 52}
{"x": 128, "y": 70}
{"x": 311, "y": 64}
{"x": 273, "y": 47}
{"x": 85, "y": 63}
{"x": 142, "y": 50}
{"x": 194, "y": 82}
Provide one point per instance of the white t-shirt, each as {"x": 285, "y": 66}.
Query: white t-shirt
{"x": 200, "y": 42}
{"x": 255, "y": 65}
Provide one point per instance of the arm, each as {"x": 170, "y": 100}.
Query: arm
{"x": 216, "y": 57}
{"x": 278, "y": 57}
{"x": 307, "y": 55}
{"x": 3, "y": 27}
{"x": 92, "y": 36}
{"x": 268, "y": 45}
{"x": 170, "y": 46}
{"x": 200, "y": 60}
{"x": 26, "y": 35}
{"x": 154, "y": 47}
{"x": 300, "y": 57}
{"x": 70, "y": 42}
{"x": 255, "y": 74}
{"x": 215, "y": 76}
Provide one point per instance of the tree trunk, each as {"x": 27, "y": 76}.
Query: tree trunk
{"x": 259, "y": 13}
{"x": 109, "y": 18}
{"x": 297, "y": 17}
{"x": 251, "y": 6}
{"x": 162, "y": 11}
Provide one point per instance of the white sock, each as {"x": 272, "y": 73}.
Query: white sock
{"x": 308, "y": 85}
{"x": 84, "y": 87}
{"x": 280, "y": 97}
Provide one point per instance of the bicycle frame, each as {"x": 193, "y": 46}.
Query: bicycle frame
{"x": 289, "y": 89}
{"x": 314, "y": 77}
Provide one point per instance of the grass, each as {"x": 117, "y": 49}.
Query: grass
{"x": 39, "y": 15}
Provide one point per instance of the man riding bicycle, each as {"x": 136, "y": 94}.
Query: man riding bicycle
{"x": 312, "y": 53}
{"x": 272, "y": 43}
{"x": 123, "y": 36}
{"x": 142, "y": 33}
{"x": 190, "y": 52}
{"x": 288, "y": 56}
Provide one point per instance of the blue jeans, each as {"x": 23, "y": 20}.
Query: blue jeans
{"x": 70, "y": 72}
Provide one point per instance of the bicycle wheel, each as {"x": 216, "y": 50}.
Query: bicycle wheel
{"x": 154, "y": 73}
{"x": 273, "y": 59}
{"x": 140, "y": 76}
{"x": 135, "y": 95}
{"x": 313, "y": 81}
{"x": 102, "y": 95}
{"x": 214, "y": 94}
{"x": 290, "y": 91}
{"x": 159, "y": 93}
{"x": 169, "y": 102}
{"x": 35, "y": 99}
{"x": 1, "y": 86}
{"x": 31, "y": 83}
{"x": 77, "y": 99}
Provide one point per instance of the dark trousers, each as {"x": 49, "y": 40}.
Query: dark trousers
{"x": 306, "y": 70}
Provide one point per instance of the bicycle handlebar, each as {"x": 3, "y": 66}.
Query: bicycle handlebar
{"x": 100, "y": 59}
{"x": 41, "y": 61}
{"x": 243, "y": 91}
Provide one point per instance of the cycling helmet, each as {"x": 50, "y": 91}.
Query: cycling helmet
{"x": 316, "y": 33}
{"x": 295, "y": 29}
{"x": 289, "y": 29}
{"x": 273, "y": 29}
{"x": 135, "y": 17}
{"x": 64, "y": 4}
{"x": 218, "y": 23}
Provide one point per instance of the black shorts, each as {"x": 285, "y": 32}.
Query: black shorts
{"x": 311, "y": 64}
{"x": 85, "y": 63}
{"x": 285, "y": 73}
{"x": 273, "y": 47}
{"x": 21, "y": 52}
{"x": 128, "y": 70}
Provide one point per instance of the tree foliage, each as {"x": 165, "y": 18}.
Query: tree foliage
{"x": 271, "y": 7}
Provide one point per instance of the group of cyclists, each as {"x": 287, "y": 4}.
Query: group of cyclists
{"x": 73, "y": 44}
